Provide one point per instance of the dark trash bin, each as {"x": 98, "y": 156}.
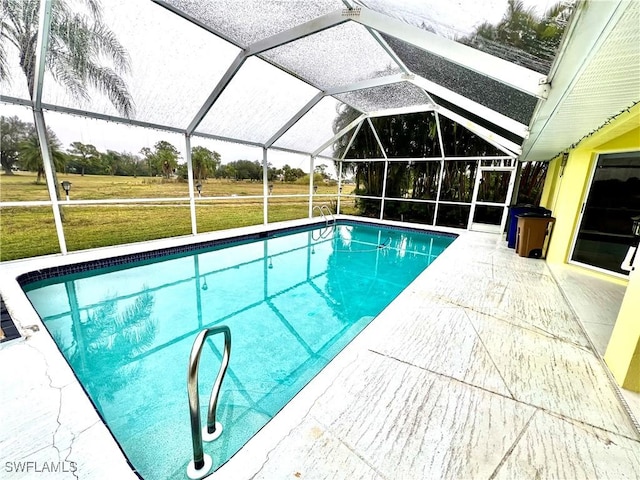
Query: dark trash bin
{"x": 512, "y": 221}
{"x": 532, "y": 230}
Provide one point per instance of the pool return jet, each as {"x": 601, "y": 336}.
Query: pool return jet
{"x": 202, "y": 463}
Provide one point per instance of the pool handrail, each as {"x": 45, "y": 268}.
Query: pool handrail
{"x": 202, "y": 463}
{"x": 321, "y": 209}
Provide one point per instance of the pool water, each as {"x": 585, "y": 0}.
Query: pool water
{"x": 292, "y": 303}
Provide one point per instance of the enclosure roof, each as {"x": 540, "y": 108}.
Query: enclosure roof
{"x": 274, "y": 74}
{"x": 596, "y": 77}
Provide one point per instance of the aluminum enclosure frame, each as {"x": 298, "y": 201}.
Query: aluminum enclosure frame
{"x": 375, "y": 24}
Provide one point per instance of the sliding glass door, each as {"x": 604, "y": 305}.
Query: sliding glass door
{"x": 604, "y": 234}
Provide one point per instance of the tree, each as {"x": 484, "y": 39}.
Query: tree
{"x": 522, "y": 37}
{"x": 13, "y": 132}
{"x": 226, "y": 171}
{"x": 112, "y": 162}
{"x": 241, "y": 170}
{"x": 130, "y": 164}
{"x": 205, "y": 162}
{"x": 291, "y": 174}
{"x": 163, "y": 159}
{"x": 84, "y": 158}
{"x": 31, "y": 154}
{"x": 532, "y": 177}
{"x": 322, "y": 170}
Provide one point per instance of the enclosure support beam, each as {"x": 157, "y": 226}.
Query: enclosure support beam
{"x": 507, "y": 146}
{"x": 330, "y": 142}
{"x": 265, "y": 188}
{"x": 386, "y": 167}
{"x": 402, "y": 110}
{"x": 311, "y": 167}
{"x": 384, "y": 187}
{"x": 440, "y": 142}
{"x": 38, "y": 117}
{"x": 51, "y": 182}
{"x": 44, "y": 28}
{"x": 351, "y": 140}
{"x": 469, "y": 105}
{"x": 316, "y": 25}
{"x": 177, "y": 11}
{"x": 302, "y": 112}
{"x": 360, "y": 121}
{"x": 192, "y": 201}
{"x": 217, "y": 91}
{"x": 369, "y": 83}
{"x": 374, "y": 82}
{"x": 339, "y": 188}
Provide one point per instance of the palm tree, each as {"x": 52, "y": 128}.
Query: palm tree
{"x": 107, "y": 340}
{"x": 205, "y": 162}
{"x": 77, "y": 43}
{"x": 31, "y": 154}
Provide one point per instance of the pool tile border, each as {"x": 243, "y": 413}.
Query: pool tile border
{"x": 91, "y": 265}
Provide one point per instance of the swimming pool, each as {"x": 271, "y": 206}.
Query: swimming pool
{"x": 292, "y": 301}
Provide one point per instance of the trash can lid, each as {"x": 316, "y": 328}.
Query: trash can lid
{"x": 535, "y": 214}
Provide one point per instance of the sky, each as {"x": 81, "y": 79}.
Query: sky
{"x": 174, "y": 57}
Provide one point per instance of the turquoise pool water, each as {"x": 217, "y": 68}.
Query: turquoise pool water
{"x": 292, "y": 303}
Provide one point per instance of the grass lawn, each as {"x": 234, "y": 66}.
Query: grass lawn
{"x": 30, "y": 231}
{"x": 22, "y": 187}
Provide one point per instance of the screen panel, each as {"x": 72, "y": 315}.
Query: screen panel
{"x": 247, "y": 21}
{"x": 338, "y": 56}
{"x": 256, "y": 103}
{"x": 173, "y": 66}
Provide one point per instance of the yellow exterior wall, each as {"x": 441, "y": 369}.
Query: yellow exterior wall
{"x": 626, "y": 141}
{"x": 550, "y": 188}
{"x": 623, "y": 351}
{"x": 563, "y": 193}
{"x": 566, "y": 201}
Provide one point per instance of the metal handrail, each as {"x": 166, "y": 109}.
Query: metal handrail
{"x": 321, "y": 209}
{"x": 202, "y": 463}
{"x": 324, "y": 207}
{"x": 317, "y": 207}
